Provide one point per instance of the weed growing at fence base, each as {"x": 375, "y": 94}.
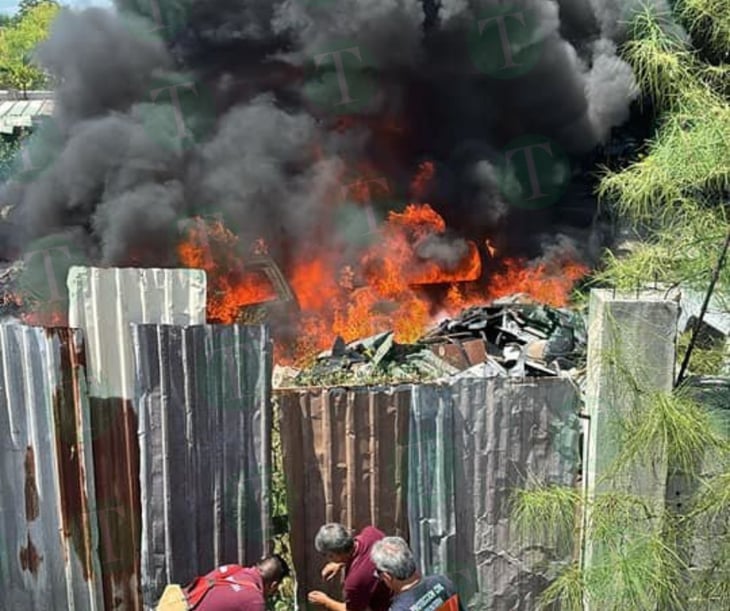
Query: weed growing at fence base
{"x": 285, "y": 597}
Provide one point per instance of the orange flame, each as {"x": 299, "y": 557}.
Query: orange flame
{"x": 213, "y": 248}
{"x": 547, "y": 282}
{"x": 386, "y": 289}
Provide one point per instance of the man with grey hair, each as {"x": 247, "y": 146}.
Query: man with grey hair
{"x": 396, "y": 567}
{"x": 363, "y": 591}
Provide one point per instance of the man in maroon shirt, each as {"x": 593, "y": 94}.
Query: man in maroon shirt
{"x": 231, "y": 588}
{"x": 363, "y": 591}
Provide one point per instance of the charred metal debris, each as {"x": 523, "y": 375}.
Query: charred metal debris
{"x": 511, "y": 337}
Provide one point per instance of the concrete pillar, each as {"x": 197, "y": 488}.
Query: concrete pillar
{"x": 631, "y": 354}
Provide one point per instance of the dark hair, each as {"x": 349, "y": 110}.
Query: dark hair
{"x": 273, "y": 568}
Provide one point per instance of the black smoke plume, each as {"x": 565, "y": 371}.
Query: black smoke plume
{"x": 166, "y": 109}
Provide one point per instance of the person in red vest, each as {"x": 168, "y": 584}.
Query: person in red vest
{"x": 230, "y": 587}
{"x": 396, "y": 567}
{"x": 362, "y": 590}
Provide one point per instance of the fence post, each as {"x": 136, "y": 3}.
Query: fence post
{"x": 631, "y": 354}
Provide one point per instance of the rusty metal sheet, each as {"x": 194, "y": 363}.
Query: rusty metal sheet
{"x": 505, "y": 430}
{"x": 48, "y": 518}
{"x": 461, "y": 354}
{"x": 204, "y": 403}
{"x": 345, "y": 461}
{"x": 104, "y": 302}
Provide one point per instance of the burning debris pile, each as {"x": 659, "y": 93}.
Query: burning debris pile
{"x": 513, "y": 337}
{"x": 366, "y": 166}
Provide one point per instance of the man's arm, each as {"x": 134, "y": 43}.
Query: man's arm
{"x": 331, "y": 569}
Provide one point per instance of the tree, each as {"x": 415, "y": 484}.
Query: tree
{"x": 676, "y": 196}
{"x": 677, "y": 193}
{"x": 17, "y": 42}
{"x": 25, "y": 6}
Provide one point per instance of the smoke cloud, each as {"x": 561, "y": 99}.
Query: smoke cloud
{"x": 264, "y": 110}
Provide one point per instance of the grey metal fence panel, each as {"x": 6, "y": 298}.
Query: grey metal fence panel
{"x": 48, "y": 517}
{"x": 431, "y": 489}
{"x": 203, "y": 397}
{"x": 508, "y": 430}
{"x": 472, "y": 443}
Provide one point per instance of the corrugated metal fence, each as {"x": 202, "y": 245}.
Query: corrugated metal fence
{"x": 48, "y": 525}
{"x": 349, "y": 455}
{"x": 205, "y": 443}
{"x": 160, "y": 468}
{"x": 105, "y": 499}
{"x": 345, "y": 461}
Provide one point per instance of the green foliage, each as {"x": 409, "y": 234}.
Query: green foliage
{"x": 545, "y": 513}
{"x": 566, "y": 591}
{"x": 17, "y": 42}
{"x": 675, "y": 195}
{"x": 643, "y": 573}
{"x": 713, "y": 499}
{"x": 285, "y": 597}
{"x": 706, "y": 360}
{"x": 683, "y": 253}
{"x": 669, "y": 428}
{"x": 641, "y": 553}
{"x": 675, "y": 192}
{"x": 707, "y": 20}
{"x": 9, "y": 148}
{"x": 612, "y": 515}
{"x": 26, "y": 6}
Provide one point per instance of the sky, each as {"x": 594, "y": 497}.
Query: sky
{"x": 9, "y": 7}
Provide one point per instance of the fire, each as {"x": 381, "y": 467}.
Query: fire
{"x": 394, "y": 264}
{"x": 393, "y": 285}
{"x": 213, "y": 248}
{"x": 549, "y": 282}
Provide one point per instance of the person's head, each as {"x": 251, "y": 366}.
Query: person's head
{"x": 273, "y": 569}
{"x": 394, "y": 562}
{"x": 335, "y": 542}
